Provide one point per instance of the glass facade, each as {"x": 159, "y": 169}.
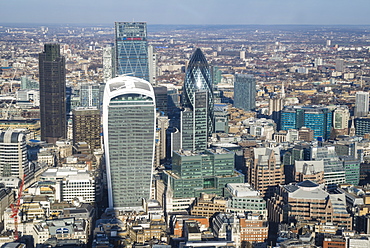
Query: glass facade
{"x": 352, "y": 168}
{"x": 90, "y": 95}
{"x": 132, "y": 49}
{"x": 129, "y": 138}
{"x": 194, "y": 124}
{"x": 362, "y": 125}
{"x": 198, "y": 79}
{"x": 318, "y": 119}
{"x": 288, "y": 120}
{"x": 245, "y": 92}
{"x": 209, "y": 172}
{"x": 53, "y": 105}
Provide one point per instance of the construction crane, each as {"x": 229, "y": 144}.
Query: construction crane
{"x": 15, "y": 209}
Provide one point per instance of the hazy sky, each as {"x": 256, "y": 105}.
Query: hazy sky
{"x": 187, "y": 11}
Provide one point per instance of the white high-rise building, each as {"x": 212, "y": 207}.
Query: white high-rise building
{"x": 108, "y": 63}
{"x": 129, "y": 125}
{"x": 341, "y": 117}
{"x": 362, "y": 104}
{"x": 152, "y": 63}
{"x": 13, "y": 154}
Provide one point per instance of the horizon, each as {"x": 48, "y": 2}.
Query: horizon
{"x": 192, "y": 12}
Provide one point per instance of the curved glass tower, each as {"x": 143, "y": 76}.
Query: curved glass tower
{"x": 197, "y": 101}
{"x": 129, "y": 139}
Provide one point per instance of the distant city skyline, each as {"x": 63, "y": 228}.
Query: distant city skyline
{"x": 268, "y": 12}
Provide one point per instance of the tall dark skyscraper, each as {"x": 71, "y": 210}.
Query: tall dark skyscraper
{"x": 245, "y": 92}
{"x": 52, "y": 94}
{"x": 131, "y": 49}
{"x": 197, "y": 119}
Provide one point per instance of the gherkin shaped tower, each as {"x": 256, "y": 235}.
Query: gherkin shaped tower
{"x": 197, "y": 117}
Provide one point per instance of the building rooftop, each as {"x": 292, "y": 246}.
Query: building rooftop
{"x": 242, "y": 190}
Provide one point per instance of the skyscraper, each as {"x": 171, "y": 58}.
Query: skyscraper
{"x": 194, "y": 128}
{"x": 52, "y": 94}
{"x": 129, "y": 126}
{"x": 245, "y": 92}
{"x": 108, "y": 63}
{"x": 152, "y": 64}
{"x": 86, "y": 126}
{"x": 161, "y": 98}
{"x": 131, "y": 49}
{"x": 362, "y": 104}
{"x": 197, "y": 101}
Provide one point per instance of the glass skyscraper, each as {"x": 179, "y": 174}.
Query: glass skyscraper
{"x": 131, "y": 49}
{"x": 129, "y": 139}
{"x": 245, "y": 92}
{"x": 198, "y": 118}
{"x": 90, "y": 95}
{"x": 52, "y": 94}
{"x": 318, "y": 119}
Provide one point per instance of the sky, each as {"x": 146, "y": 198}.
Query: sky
{"x": 264, "y": 12}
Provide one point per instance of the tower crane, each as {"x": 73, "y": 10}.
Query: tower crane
{"x": 15, "y": 209}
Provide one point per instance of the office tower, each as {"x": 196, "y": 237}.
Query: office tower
{"x": 90, "y": 95}
{"x": 362, "y": 104}
{"x": 129, "y": 140}
{"x": 108, "y": 63}
{"x": 276, "y": 104}
{"x": 340, "y": 121}
{"x": 13, "y": 154}
{"x": 161, "y": 98}
{"x": 362, "y": 126}
{"x": 339, "y": 65}
{"x": 334, "y": 172}
{"x": 221, "y": 118}
{"x": 266, "y": 172}
{"x": 173, "y": 103}
{"x": 245, "y": 92}
{"x": 86, "y": 127}
{"x": 52, "y": 94}
{"x": 352, "y": 168}
{"x": 198, "y": 102}
{"x": 328, "y": 42}
{"x": 318, "y": 119}
{"x": 152, "y": 64}
{"x": 131, "y": 49}
{"x": 341, "y": 117}
{"x": 162, "y": 126}
{"x": 196, "y": 172}
{"x": 194, "y": 128}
